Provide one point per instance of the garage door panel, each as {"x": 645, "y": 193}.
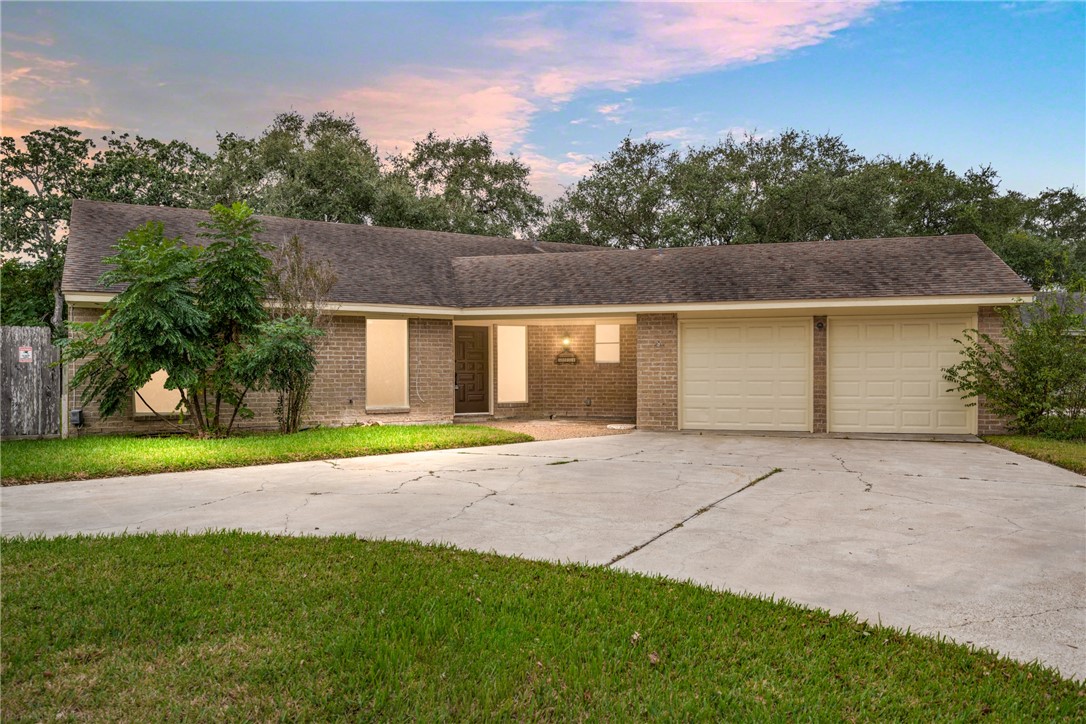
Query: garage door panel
{"x": 699, "y": 389}
{"x": 881, "y": 419}
{"x": 885, "y": 375}
{"x": 759, "y": 371}
{"x": 726, "y": 388}
{"x": 847, "y": 331}
{"x": 949, "y": 358}
{"x": 916, "y": 419}
{"x": 797, "y": 417}
{"x": 725, "y": 335}
{"x": 798, "y": 334}
{"x": 919, "y": 389}
{"x": 883, "y": 360}
{"x": 949, "y": 330}
{"x": 698, "y": 414}
{"x": 700, "y": 361}
{"x": 793, "y": 361}
{"x": 878, "y": 332}
{"x": 846, "y": 360}
{"x": 759, "y": 388}
{"x": 915, "y": 331}
{"x": 794, "y": 389}
{"x": 917, "y": 359}
{"x": 952, "y": 418}
{"x": 849, "y": 389}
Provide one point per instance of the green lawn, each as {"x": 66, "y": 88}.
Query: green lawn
{"x": 1065, "y": 453}
{"x": 97, "y": 456}
{"x": 242, "y": 626}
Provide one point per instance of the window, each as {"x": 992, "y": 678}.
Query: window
{"x": 156, "y": 398}
{"x": 386, "y": 364}
{"x": 607, "y": 343}
{"x": 512, "y": 364}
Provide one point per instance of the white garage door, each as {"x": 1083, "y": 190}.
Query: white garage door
{"x": 752, "y": 374}
{"x": 885, "y": 375}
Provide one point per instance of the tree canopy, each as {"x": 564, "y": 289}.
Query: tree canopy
{"x": 792, "y": 186}
{"x": 196, "y": 311}
{"x": 796, "y": 186}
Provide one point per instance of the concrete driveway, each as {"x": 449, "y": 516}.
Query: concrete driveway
{"x": 965, "y": 540}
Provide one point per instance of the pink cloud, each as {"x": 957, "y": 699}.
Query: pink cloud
{"x": 550, "y": 176}
{"x": 536, "y": 61}
{"x": 551, "y": 59}
{"x": 40, "y": 39}
{"x": 621, "y": 47}
{"x": 403, "y": 108}
{"x": 32, "y": 81}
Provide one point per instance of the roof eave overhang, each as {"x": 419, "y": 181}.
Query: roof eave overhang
{"x": 98, "y": 299}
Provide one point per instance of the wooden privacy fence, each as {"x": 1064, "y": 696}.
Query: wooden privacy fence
{"x": 30, "y": 387}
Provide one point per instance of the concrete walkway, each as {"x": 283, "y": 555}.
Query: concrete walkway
{"x": 965, "y": 540}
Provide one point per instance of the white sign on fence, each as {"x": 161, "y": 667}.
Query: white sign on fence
{"x": 26, "y": 355}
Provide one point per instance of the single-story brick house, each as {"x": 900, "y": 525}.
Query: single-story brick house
{"x": 829, "y": 336}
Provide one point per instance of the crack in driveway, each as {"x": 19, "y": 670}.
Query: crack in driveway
{"x": 687, "y": 519}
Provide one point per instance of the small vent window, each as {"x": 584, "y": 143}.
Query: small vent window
{"x": 607, "y": 343}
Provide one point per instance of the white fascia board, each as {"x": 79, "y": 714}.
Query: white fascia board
{"x": 768, "y": 305}
{"x": 93, "y": 299}
{"x": 87, "y": 299}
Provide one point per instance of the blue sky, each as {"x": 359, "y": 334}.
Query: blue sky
{"x": 561, "y": 84}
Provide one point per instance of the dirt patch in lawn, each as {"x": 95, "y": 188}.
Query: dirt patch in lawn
{"x": 558, "y": 429}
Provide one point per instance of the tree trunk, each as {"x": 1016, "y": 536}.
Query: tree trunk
{"x": 57, "y": 320}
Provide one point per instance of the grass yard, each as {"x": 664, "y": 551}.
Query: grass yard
{"x": 1065, "y": 453}
{"x": 99, "y": 456}
{"x": 244, "y": 626}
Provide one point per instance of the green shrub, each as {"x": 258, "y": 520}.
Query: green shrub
{"x": 1038, "y": 378}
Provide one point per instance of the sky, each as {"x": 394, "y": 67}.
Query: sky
{"x": 560, "y": 85}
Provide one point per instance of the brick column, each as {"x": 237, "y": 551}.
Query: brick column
{"x": 432, "y": 369}
{"x": 990, "y": 322}
{"x": 657, "y": 372}
{"x": 819, "y": 421}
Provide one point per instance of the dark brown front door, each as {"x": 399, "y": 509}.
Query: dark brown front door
{"x": 472, "y": 363}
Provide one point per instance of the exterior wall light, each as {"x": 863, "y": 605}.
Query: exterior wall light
{"x": 566, "y": 356}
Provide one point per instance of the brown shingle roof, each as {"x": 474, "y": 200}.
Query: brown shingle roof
{"x": 404, "y": 266}
{"x": 374, "y": 264}
{"x": 895, "y": 267}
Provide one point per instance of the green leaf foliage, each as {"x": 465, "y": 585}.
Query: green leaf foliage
{"x": 137, "y": 170}
{"x": 196, "y": 312}
{"x": 796, "y": 186}
{"x": 321, "y": 169}
{"x": 154, "y": 324}
{"x": 232, "y": 272}
{"x": 26, "y": 292}
{"x": 1038, "y": 377}
{"x": 42, "y": 173}
{"x": 281, "y": 356}
{"x": 459, "y": 184}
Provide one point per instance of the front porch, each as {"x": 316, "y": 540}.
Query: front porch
{"x": 546, "y": 369}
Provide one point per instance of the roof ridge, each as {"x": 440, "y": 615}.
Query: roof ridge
{"x": 192, "y": 209}
{"x": 763, "y": 246}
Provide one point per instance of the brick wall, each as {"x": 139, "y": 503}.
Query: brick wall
{"x": 339, "y": 387}
{"x": 819, "y": 420}
{"x": 566, "y": 390}
{"x": 657, "y": 372}
{"x": 990, "y": 322}
{"x": 431, "y": 392}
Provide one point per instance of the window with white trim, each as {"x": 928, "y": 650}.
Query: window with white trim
{"x": 154, "y": 397}
{"x": 512, "y": 364}
{"x": 607, "y": 343}
{"x": 386, "y": 364}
